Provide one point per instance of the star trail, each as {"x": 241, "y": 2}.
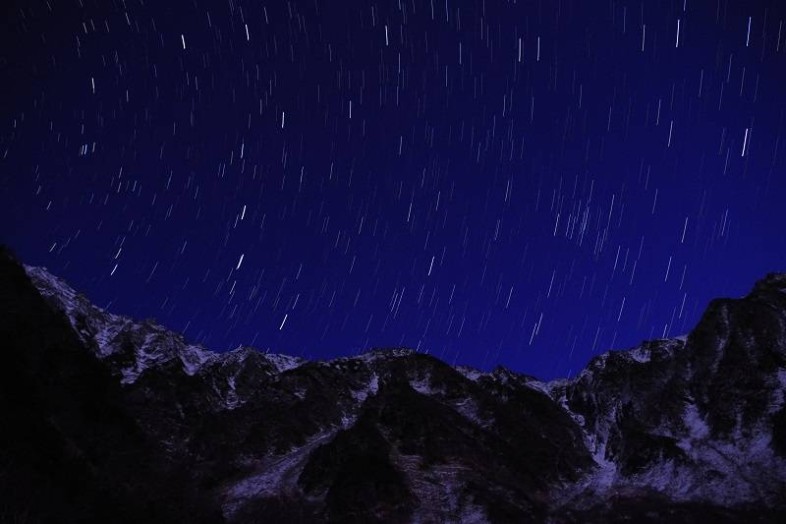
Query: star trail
{"x": 517, "y": 183}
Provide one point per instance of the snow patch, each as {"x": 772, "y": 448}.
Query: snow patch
{"x": 641, "y": 355}
{"x": 370, "y": 390}
{"x": 694, "y": 422}
{"x": 422, "y": 385}
{"x": 779, "y": 395}
{"x": 726, "y": 472}
{"x": 106, "y": 335}
{"x": 468, "y": 408}
{"x": 283, "y": 362}
{"x": 276, "y": 475}
{"x": 557, "y": 390}
{"x": 231, "y": 398}
{"x": 193, "y": 358}
{"x": 470, "y": 373}
{"x": 606, "y": 473}
{"x": 537, "y": 385}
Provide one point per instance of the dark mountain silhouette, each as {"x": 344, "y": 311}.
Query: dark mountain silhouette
{"x": 106, "y": 419}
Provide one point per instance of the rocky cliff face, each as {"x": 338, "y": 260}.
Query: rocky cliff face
{"x": 699, "y": 418}
{"x": 157, "y": 429}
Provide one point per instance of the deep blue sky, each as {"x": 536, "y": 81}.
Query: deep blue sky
{"x": 495, "y": 182}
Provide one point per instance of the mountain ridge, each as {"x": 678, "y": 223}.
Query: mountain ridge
{"x": 397, "y": 435}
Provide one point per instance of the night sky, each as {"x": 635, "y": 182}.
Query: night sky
{"x": 524, "y": 183}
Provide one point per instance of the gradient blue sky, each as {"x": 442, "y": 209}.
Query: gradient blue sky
{"x": 494, "y": 182}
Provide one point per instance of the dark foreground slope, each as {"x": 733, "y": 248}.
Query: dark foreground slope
{"x": 109, "y": 419}
{"x": 70, "y": 448}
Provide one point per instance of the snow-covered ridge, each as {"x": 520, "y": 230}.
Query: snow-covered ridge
{"x": 135, "y": 347}
{"x": 376, "y": 355}
{"x": 693, "y": 459}
{"x": 648, "y": 417}
{"x": 284, "y": 362}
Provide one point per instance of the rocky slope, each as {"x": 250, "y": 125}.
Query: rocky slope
{"x": 112, "y": 417}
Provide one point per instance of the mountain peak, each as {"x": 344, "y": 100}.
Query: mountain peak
{"x": 680, "y": 429}
{"x": 771, "y": 282}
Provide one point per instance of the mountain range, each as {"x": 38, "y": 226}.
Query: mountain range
{"x": 109, "y": 419}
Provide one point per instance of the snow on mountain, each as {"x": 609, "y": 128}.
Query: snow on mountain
{"x": 136, "y": 347}
{"x": 272, "y": 475}
{"x": 692, "y": 418}
{"x": 283, "y": 362}
{"x": 698, "y": 419}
